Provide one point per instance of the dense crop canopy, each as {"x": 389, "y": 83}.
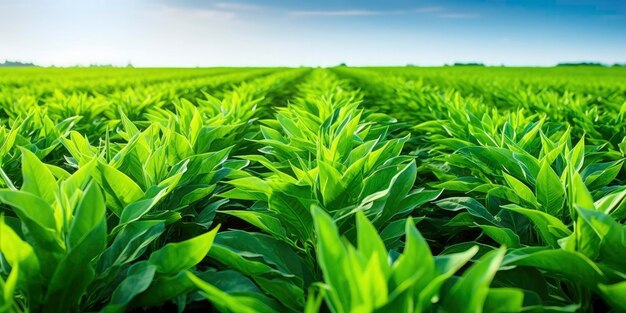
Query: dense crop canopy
{"x": 306, "y": 190}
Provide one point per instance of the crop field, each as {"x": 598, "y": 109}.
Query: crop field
{"x": 344, "y": 190}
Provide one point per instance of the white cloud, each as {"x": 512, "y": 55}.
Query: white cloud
{"x": 189, "y": 13}
{"x": 459, "y": 16}
{"x": 339, "y": 13}
{"x": 237, "y": 6}
{"x": 360, "y": 12}
{"x": 435, "y": 11}
{"x": 428, "y": 10}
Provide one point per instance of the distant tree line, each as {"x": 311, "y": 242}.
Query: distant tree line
{"x": 589, "y": 64}
{"x": 8, "y": 63}
{"x": 468, "y": 64}
{"x": 105, "y": 65}
{"x": 580, "y": 64}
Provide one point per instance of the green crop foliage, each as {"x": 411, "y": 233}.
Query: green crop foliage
{"x": 339, "y": 190}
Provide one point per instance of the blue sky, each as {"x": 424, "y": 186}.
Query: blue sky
{"x": 297, "y": 32}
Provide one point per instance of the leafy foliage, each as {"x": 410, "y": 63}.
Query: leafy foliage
{"x": 313, "y": 190}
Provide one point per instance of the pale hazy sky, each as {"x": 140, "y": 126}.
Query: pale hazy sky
{"x": 298, "y": 32}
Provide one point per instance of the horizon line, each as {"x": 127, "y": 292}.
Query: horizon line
{"x": 20, "y": 64}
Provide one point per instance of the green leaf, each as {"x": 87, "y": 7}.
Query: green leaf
{"x": 19, "y": 253}
{"x": 267, "y": 252}
{"x": 134, "y": 211}
{"x": 138, "y": 279}
{"x": 612, "y": 202}
{"x": 89, "y": 213}
{"x": 582, "y": 197}
{"x": 245, "y": 303}
{"x": 614, "y": 294}
{"x": 292, "y": 206}
{"x": 502, "y": 236}
{"x": 504, "y": 300}
{"x": 450, "y": 263}
{"x": 576, "y": 156}
{"x": 331, "y": 256}
{"x": 369, "y": 242}
{"x": 120, "y": 190}
{"x": 598, "y": 175}
{"x": 273, "y": 265}
{"x": 283, "y": 290}
{"x": 550, "y": 227}
{"x": 607, "y": 236}
{"x": 445, "y": 267}
{"x": 38, "y": 220}
{"x": 75, "y": 272}
{"x": 162, "y": 289}
{"x": 32, "y": 209}
{"x": 7, "y": 289}
{"x": 264, "y": 221}
{"x": 550, "y": 192}
{"x": 558, "y": 263}
{"x": 130, "y": 243}
{"x": 330, "y": 182}
{"x": 520, "y": 188}
{"x": 415, "y": 268}
{"x": 472, "y": 206}
{"x": 180, "y": 256}
{"x": 470, "y": 292}
{"x": 38, "y": 179}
